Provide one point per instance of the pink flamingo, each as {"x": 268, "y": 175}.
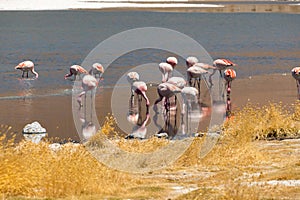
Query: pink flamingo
{"x": 222, "y": 64}
{"x": 177, "y": 81}
{"x": 166, "y": 70}
{"x": 190, "y": 61}
{"x": 229, "y": 76}
{"x": 76, "y": 70}
{"x": 137, "y": 86}
{"x": 195, "y": 72}
{"x": 172, "y": 61}
{"x": 97, "y": 68}
{"x": 88, "y": 83}
{"x": 296, "y": 75}
{"x": 166, "y": 90}
{"x": 25, "y": 67}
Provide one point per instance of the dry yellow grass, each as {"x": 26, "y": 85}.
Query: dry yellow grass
{"x": 240, "y": 158}
{"x": 34, "y": 170}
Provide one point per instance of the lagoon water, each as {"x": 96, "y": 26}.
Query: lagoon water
{"x": 260, "y": 43}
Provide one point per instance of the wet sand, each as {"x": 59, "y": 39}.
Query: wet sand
{"x": 55, "y": 112}
{"x": 264, "y": 89}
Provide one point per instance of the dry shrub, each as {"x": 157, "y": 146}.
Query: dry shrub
{"x": 135, "y": 145}
{"x": 109, "y": 126}
{"x": 236, "y": 147}
{"x": 141, "y": 146}
{"x": 35, "y": 170}
{"x": 273, "y": 121}
{"x": 296, "y": 114}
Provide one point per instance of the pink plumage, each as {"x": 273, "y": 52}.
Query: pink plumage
{"x": 27, "y": 66}
{"x": 172, "y": 61}
{"x": 76, "y": 70}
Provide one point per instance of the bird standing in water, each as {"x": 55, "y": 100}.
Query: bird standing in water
{"x": 177, "y": 81}
{"x": 296, "y": 75}
{"x": 222, "y": 64}
{"x": 166, "y": 70}
{"x": 172, "y": 61}
{"x": 88, "y": 84}
{"x": 195, "y": 72}
{"x": 76, "y": 70}
{"x": 166, "y": 90}
{"x": 190, "y": 61}
{"x": 27, "y": 66}
{"x": 97, "y": 69}
{"x": 137, "y": 86}
{"x": 229, "y": 76}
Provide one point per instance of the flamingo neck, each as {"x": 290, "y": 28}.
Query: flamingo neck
{"x": 35, "y": 73}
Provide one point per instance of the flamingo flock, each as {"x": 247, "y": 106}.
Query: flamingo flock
{"x": 169, "y": 87}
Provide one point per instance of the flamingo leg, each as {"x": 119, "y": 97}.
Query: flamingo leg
{"x": 92, "y": 103}
{"x": 182, "y": 117}
{"x": 79, "y": 98}
{"x": 221, "y": 74}
{"x": 210, "y": 78}
{"x": 189, "y": 78}
{"x": 228, "y": 103}
{"x": 187, "y": 116}
{"x": 175, "y": 123}
{"x": 139, "y": 102}
{"x": 145, "y": 97}
{"x": 298, "y": 87}
{"x": 199, "y": 82}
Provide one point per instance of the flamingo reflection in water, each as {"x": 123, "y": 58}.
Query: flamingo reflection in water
{"x": 89, "y": 84}
{"x": 167, "y": 94}
{"x": 190, "y": 101}
{"x": 134, "y": 116}
{"x": 138, "y": 87}
{"x": 88, "y": 128}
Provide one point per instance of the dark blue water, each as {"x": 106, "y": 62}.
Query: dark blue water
{"x": 55, "y": 40}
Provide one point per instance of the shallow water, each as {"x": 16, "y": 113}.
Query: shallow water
{"x": 54, "y": 40}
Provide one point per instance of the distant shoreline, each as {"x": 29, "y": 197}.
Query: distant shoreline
{"x": 210, "y": 6}
{"x": 228, "y": 8}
